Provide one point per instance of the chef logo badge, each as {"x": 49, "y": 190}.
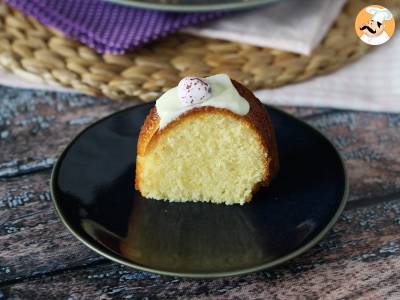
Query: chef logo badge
{"x": 374, "y": 25}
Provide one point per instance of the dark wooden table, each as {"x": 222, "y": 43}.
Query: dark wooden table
{"x": 40, "y": 259}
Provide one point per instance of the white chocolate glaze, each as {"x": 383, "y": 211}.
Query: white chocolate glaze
{"x": 223, "y": 95}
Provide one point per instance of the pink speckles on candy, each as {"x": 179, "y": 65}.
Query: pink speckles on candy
{"x": 193, "y": 90}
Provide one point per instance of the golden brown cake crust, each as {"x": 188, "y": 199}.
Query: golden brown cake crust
{"x": 257, "y": 118}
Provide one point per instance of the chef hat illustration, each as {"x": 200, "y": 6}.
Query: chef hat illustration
{"x": 379, "y": 14}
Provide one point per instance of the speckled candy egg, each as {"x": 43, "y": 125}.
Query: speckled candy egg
{"x": 193, "y": 90}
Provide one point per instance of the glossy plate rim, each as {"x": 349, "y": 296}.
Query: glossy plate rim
{"x": 209, "y": 7}
{"x": 98, "y": 248}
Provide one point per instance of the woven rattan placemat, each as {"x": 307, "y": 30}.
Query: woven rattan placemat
{"x": 39, "y": 53}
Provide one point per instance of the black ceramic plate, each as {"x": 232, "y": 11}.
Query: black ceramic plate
{"x": 92, "y": 188}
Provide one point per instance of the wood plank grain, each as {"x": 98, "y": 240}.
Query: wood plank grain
{"x": 360, "y": 258}
{"x": 370, "y": 145}
{"x": 36, "y": 125}
{"x": 32, "y": 239}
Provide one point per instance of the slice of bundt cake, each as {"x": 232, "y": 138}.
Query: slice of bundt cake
{"x": 209, "y": 139}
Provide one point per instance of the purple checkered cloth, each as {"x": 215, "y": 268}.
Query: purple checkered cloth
{"x": 108, "y": 27}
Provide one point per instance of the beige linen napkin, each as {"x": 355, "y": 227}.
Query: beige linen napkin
{"x": 291, "y": 25}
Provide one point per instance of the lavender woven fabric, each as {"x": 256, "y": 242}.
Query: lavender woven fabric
{"x": 108, "y": 27}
